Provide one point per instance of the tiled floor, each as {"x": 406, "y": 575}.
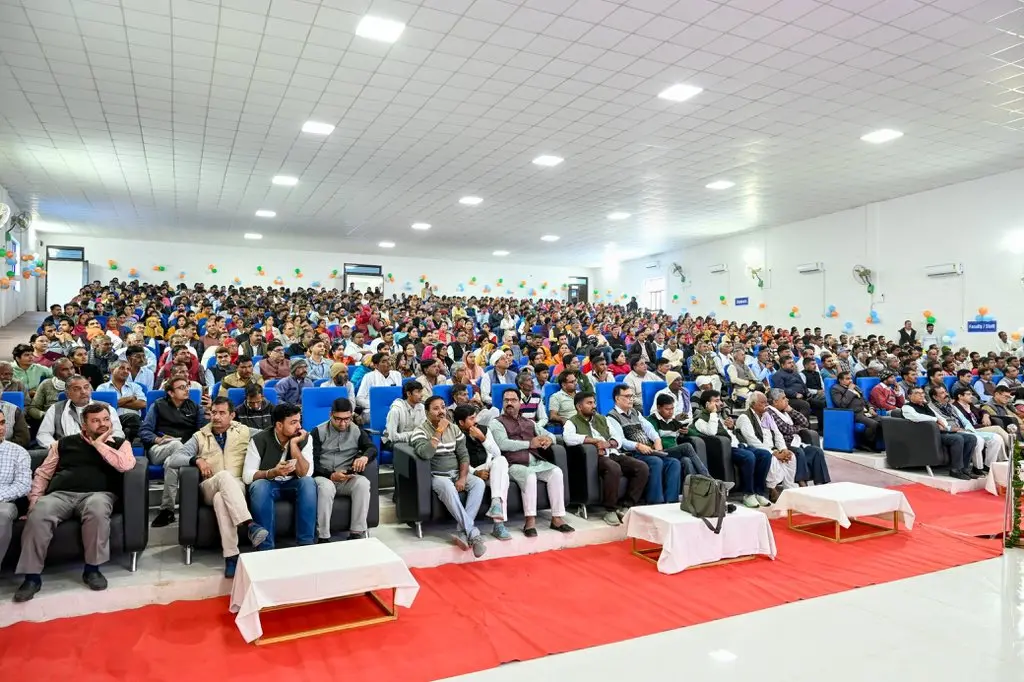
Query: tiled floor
{"x": 966, "y": 623}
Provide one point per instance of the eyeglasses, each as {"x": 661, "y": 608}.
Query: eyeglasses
{"x": 340, "y": 420}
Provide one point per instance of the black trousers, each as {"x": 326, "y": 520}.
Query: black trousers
{"x": 611, "y": 469}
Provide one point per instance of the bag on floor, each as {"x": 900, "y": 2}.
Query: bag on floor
{"x": 706, "y": 498}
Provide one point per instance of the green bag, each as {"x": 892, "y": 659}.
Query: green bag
{"x": 706, "y": 498}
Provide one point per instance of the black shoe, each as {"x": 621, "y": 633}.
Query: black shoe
{"x": 956, "y": 473}
{"x": 564, "y": 528}
{"x": 95, "y": 580}
{"x": 322, "y": 541}
{"x": 357, "y": 536}
{"x": 530, "y": 532}
{"x": 164, "y": 518}
{"x": 27, "y": 590}
{"x": 978, "y": 473}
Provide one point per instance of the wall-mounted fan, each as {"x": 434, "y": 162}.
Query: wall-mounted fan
{"x": 862, "y": 275}
{"x": 755, "y": 274}
{"x": 5, "y": 215}
{"x": 677, "y": 270}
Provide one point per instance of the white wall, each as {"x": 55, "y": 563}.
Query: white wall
{"x": 14, "y": 303}
{"x": 978, "y": 223}
{"x": 242, "y": 261}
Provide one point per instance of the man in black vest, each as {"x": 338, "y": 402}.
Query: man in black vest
{"x": 485, "y": 462}
{"x": 170, "y": 423}
{"x": 81, "y": 476}
{"x": 279, "y": 465}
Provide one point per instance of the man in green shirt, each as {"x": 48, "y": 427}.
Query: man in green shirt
{"x": 26, "y": 371}
{"x": 561, "y": 407}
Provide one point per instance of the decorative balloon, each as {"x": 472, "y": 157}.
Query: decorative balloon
{"x": 112, "y": 264}
{"x": 334, "y": 273}
{"x": 407, "y": 286}
{"x": 460, "y": 287}
{"x": 675, "y": 297}
{"x": 278, "y": 281}
{"x": 181, "y": 275}
{"x": 27, "y": 274}
{"x": 930, "y": 319}
{"x": 762, "y": 305}
{"x": 533, "y": 292}
{"x": 543, "y": 285}
{"x": 722, "y": 300}
{"x": 5, "y": 283}
{"x": 391, "y": 277}
{"x": 501, "y": 281}
{"x": 693, "y": 300}
{"x": 624, "y": 297}
{"x": 983, "y": 310}
{"x": 712, "y": 314}
{"x": 1015, "y": 336}
{"x": 132, "y": 272}
{"x": 848, "y": 327}
{"x": 487, "y": 288}
{"x": 472, "y": 281}
{"x": 423, "y": 278}
{"x": 926, "y": 314}
{"x": 9, "y": 254}
{"x": 597, "y": 292}
{"x": 315, "y": 283}
{"x": 27, "y": 257}
{"x": 831, "y": 311}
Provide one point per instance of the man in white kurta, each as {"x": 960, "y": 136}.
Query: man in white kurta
{"x": 757, "y": 429}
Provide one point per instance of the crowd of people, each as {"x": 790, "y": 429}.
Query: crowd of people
{"x": 759, "y": 386}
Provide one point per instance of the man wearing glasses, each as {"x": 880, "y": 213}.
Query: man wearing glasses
{"x": 341, "y": 452}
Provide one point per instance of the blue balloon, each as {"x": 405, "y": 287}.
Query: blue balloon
{"x": 711, "y": 314}
{"x": 950, "y": 332}
{"x": 979, "y": 318}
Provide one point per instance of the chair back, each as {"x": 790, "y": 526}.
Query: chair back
{"x": 152, "y": 396}
{"x": 828, "y": 384}
{"x": 949, "y": 381}
{"x": 648, "y": 389}
{"x": 316, "y": 404}
{"x": 381, "y": 398}
{"x": 605, "y": 401}
{"x": 690, "y": 386}
{"x": 496, "y": 391}
{"x": 865, "y": 385}
{"x": 271, "y": 384}
{"x": 15, "y": 398}
{"x": 550, "y": 389}
{"x": 108, "y": 397}
{"x": 444, "y": 392}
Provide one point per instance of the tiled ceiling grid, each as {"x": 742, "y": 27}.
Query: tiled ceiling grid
{"x": 166, "y": 119}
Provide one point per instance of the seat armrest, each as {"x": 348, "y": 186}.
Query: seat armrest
{"x": 372, "y": 473}
{"x": 698, "y": 447}
{"x": 810, "y": 437}
{"x": 719, "y": 454}
{"x": 188, "y": 505}
{"x": 561, "y": 460}
{"x": 581, "y": 463}
{"x": 135, "y": 506}
{"x": 412, "y": 485}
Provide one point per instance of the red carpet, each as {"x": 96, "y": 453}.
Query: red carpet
{"x": 975, "y": 513}
{"x": 476, "y": 616}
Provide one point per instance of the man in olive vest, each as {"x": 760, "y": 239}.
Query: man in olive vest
{"x": 170, "y": 422}
{"x": 521, "y": 441}
{"x": 341, "y": 451}
{"x": 279, "y": 465}
{"x": 81, "y": 477}
{"x": 218, "y": 451}
{"x": 590, "y": 428}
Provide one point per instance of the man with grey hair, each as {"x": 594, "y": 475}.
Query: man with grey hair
{"x": 756, "y": 428}
{"x": 64, "y": 417}
{"x": 131, "y": 398}
{"x": 7, "y": 380}
{"x": 810, "y": 459}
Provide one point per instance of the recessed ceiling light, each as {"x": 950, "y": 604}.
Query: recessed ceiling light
{"x": 317, "y": 128}
{"x": 618, "y": 215}
{"x": 500, "y": 253}
{"x": 471, "y": 201}
{"x": 421, "y": 226}
{"x": 286, "y": 180}
{"x": 377, "y": 28}
{"x": 880, "y": 136}
{"x": 264, "y": 213}
{"x": 720, "y": 184}
{"x": 680, "y": 92}
{"x": 546, "y": 160}
{"x": 550, "y": 238}
{"x": 253, "y": 235}
{"x": 386, "y": 245}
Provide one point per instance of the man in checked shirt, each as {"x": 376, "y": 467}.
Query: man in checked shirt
{"x": 15, "y": 482}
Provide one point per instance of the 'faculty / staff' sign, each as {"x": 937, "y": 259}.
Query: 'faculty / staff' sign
{"x": 981, "y": 326}
{"x": 743, "y": 301}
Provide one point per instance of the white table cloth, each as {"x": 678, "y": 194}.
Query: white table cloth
{"x": 685, "y": 540}
{"x": 297, "y": 575}
{"x": 844, "y": 501}
{"x": 998, "y": 477}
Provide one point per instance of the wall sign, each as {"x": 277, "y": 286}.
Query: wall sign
{"x": 742, "y": 301}
{"x": 974, "y": 326}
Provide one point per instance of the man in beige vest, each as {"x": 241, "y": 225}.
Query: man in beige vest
{"x": 218, "y": 451}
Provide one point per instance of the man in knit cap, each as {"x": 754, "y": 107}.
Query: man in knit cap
{"x": 289, "y": 389}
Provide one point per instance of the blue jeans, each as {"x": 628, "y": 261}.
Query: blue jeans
{"x": 753, "y": 464}
{"x": 262, "y": 496}
{"x": 663, "y": 482}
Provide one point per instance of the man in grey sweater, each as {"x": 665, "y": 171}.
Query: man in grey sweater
{"x": 443, "y": 444}
{"x": 341, "y": 451}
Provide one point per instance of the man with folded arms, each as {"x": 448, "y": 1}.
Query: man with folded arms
{"x": 218, "y": 450}
{"x": 341, "y": 451}
{"x": 81, "y": 476}
{"x": 590, "y": 428}
{"x": 521, "y": 441}
{"x": 279, "y": 465}
{"x": 441, "y": 443}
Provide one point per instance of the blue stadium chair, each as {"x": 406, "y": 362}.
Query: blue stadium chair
{"x": 550, "y": 389}
{"x": 658, "y": 353}
{"x": 921, "y": 381}
{"x": 496, "y": 391}
{"x": 949, "y": 381}
{"x": 216, "y": 390}
{"x": 648, "y": 389}
{"x": 211, "y": 362}
{"x": 443, "y": 391}
{"x": 381, "y": 398}
{"x": 605, "y": 401}
{"x": 271, "y": 384}
{"x": 316, "y": 404}
{"x": 15, "y": 398}
{"x": 256, "y": 359}
{"x": 271, "y": 395}
{"x": 321, "y": 382}
{"x": 152, "y": 396}
{"x": 236, "y": 396}
{"x": 866, "y": 384}
{"x": 108, "y": 397}
{"x": 690, "y": 386}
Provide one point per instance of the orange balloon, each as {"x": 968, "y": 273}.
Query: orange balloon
{"x": 762, "y": 305}
{"x": 27, "y": 274}
{"x": 10, "y": 254}
{"x": 868, "y": 320}
{"x": 795, "y": 309}
{"x": 983, "y": 310}
{"x": 835, "y": 313}
{"x": 1015, "y": 336}
{"x": 927, "y": 313}
{"x": 6, "y": 282}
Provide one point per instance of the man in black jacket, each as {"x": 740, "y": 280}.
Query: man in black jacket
{"x": 846, "y": 396}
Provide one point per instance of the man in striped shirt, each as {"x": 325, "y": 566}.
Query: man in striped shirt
{"x": 15, "y": 483}
{"x": 443, "y": 444}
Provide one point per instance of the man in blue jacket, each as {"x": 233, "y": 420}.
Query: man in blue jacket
{"x": 790, "y": 381}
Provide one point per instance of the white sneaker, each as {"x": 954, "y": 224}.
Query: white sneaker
{"x": 763, "y": 501}
{"x": 751, "y": 501}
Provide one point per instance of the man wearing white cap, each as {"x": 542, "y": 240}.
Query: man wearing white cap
{"x": 499, "y": 374}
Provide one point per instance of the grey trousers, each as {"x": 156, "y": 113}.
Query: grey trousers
{"x": 92, "y": 508}
{"x": 356, "y": 487}
{"x": 8, "y": 515}
{"x": 443, "y": 485}
{"x": 159, "y": 454}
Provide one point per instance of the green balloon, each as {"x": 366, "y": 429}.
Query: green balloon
{"x": 260, "y": 268}
{"x": 297, "y": 270}
{"x": 114, "y": 266}
{"x": 931, "y": 319}
{"x": 792, "y": 314}
{"x": 162, "y": 268}
{"x": 214, "y": 270}
{"x": 10, "y": 273}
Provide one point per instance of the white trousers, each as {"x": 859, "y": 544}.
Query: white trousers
{"x": 988, "y": 449}
{"x": 527, "y": 482}
{"x": 497, "y": 479}
{"x": 782, "y": 472}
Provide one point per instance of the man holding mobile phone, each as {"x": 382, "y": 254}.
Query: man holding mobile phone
{"x": 279, "y": 465}
{"x": 341, "y": 453}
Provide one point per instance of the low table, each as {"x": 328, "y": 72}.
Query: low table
{"x": 299, "y": 576}
{"x": 685, "y": 542}
{"x": 838, "y": 506}
{"x": 998, "y": 478}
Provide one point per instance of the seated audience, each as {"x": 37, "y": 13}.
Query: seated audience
{"x": 753, "y": 464}
{"x": 274, "y": 365}
{"x": 341, "y": 452}
{"x": 846, "y": 396}
{"x": 64, "y": 417}
{"x": 382, "y": 375}
{"x": 218, "y": 450}
{"x": 957, "y": 443}
{"x": 131, "y": 398}
{"x": 810, "y": 459}
{"x": 590, "y": 428}
{"x": 887, "y": 395}
{"x": 443, "y": 445}
{"x": 15, "y": 483}
{"x": 531, "y": 404}
{"x": 138, "y": 371}
{"x": 221, "y": 368}
{"x": 406, "y": 414}
{"x": 279, "y": 466}
{"x": 1001, "y": 406}
{"x": 991, "y": 445}
{"x": 638, "y": 375}
{"x": 81, "y": 477}
{"x": 27, "y": 372}
{"x": 984, "y": 386}
{"x": 704, "y": 366}
{"x": 289, "y": 389}
{"x": 527, "y": 447}
{"x": 499, "y": 374}
{"x": 636, "y": 435}
{"x": 49, "y": 389}
{"x": 758, "y": 431}
{"x": 562, "y": 403}
{"x": 255, "y": 410}
{"x": 741, "y": 377}
{"x": 242, "y": 377}
{"x": 670, "y": 429}
{"x": 318, "y": 363}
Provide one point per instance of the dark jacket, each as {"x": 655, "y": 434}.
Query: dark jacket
{"x": 790, "y": 382}
{"x": 847, "y": 399}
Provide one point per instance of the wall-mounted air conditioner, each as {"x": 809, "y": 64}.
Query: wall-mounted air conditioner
{"x": 944, "y": 270}
{"x": 715, "y": 269}
{"x": 810, "y": 268}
